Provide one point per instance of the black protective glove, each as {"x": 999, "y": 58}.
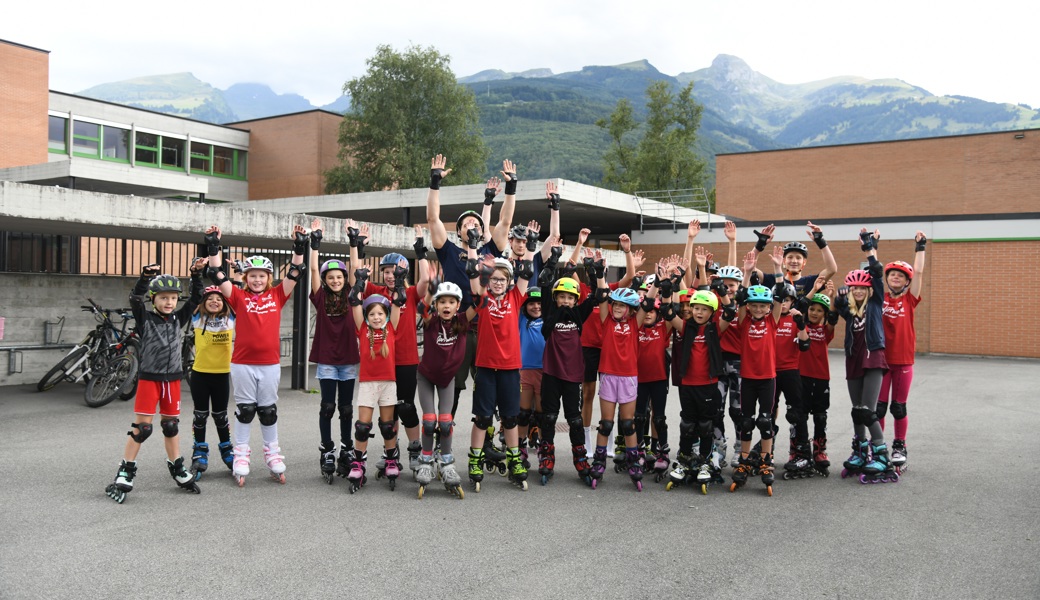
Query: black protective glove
{"x": 489, "y": 196}
{"x": 755, "y": 279}
{"x": 799, "y": 322}
{"x": 568, "y": 269}
{"x": 719, "y": 287}
{"x": 473, "y": 238}
{"x": 741, "y": 296}
{"x": 555, "y": 253}
{"x": 554, "y": 202}
{"x": 149, "y": 271}
{"x": 420, "y": 248}
{"x": 779, "y": 291}
{"x": 921, "y": 244}
{"x": 599, "y": 267}
{"x": 802, "y": 305}
{"x": 637, "y": 282}
{"x": 361, "y": 275}
{"x": 352, "y": 236}
{"x": 485, "y": 274}
{"x": 832, "y": 318}
{"x": 315, "y": 239}
{"x": 511, "y": 184}
{"x": 472, "y": 268}
{"x": 763, "y": 239}
{"x": 300, "y": 243}
{"x": 729, "y": 312}
{"x": 867, "y": 242}
{"x": 532, "y": 240}
{"x": 667, "y": 286}
{"x": 212, "y": 243}
{"x": 435, "y": 178}
{"x": 817, "y": 236}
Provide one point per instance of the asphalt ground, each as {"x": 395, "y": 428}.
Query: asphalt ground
{"x": 963, "y": 523}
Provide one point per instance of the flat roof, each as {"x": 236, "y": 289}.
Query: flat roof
{"x": 920, "y": 139}
{"x": 138, "y": 108}
{"x": 301, "y": 112}
{"x": 10, "y": 43}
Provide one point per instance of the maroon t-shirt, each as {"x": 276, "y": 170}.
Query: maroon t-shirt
{"x": 862, "y": 359}
{"x": 335, "y": 339}
{"x": 562, "y": 357}
{"x": 443, "y": 350}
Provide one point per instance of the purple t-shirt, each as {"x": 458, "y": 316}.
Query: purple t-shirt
{"x": 443, "y": 349}
{"x": 335, "y": 339}
{"x": 563, "y": 358}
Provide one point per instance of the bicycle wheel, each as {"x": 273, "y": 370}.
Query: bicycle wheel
{"x": 60, "y": 371}
{"x": 132, "y": 348}
{"x": 104, "y": 386}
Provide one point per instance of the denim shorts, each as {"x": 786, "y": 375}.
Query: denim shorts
{"x": 337, "y": 372}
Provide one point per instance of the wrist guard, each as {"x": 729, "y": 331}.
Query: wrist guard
{"x": 294, "y": 272}
{"x": 473, "y": 238}
{"x": 763, "y": 239}
{"x": 554, "y": 202}
{"x": 299, "y": 243}
{"x": 568, "y": 270}
{"x": 921, "y": 244}
{"x": 779, "y": 291}
{"x": 532, "y": 240}
{"x": 316, "y": 239}
{"x": 511, "y": 184}
{"x": 729, "y": 312}
{"x": 217, "y": 275}
{"x": 360, "y": 277}
{"x": 799, "y": 322}
{"x": 866, "y": 243}
{"x": 600, "y": 268}
{"x": 525, "y": 270}
{"x": 667, "y": 311}
{"x": 755, "y": 279}
{"x": 602, "y": 295}
{"x": 832, "y": 318}
{"x": 420, "y": 249}
{"x": 485, "y": 275}
{"x": 741, "y": 297}
{"x": 472, "y": 268}
{"x": 400, "y": 296}
{"x": 667, "y": 286}
{"x": 637, "y": 282}
{"x": 489, "y": 196}
{"x": 354, "y": 298}
{"x": 212, "y": 243}
{"x": 817, "y": 236}
{"x": 555, "y": 253}
{"x": 435, "y": 178}
{"x": 648, "y": 304}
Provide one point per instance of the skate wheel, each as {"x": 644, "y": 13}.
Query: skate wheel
{"x": 639, "y": 486}
{"x": 393, "y": 483}
{"x": 863, "y": 479}
{"x": 198, "y": 475}
{"x": 787, "y": 475}
{"x": 241, "y": 480}
{"x": 279, "y": 477}
{"x": 594, "y": 483}
{"x": 502, "y": 470}
{"x": 545, "y": 479}
{"x": 617, "y": 468}
{"x": 327, "y": 477}
{"x": 769, "y": 490}
{"x": 733, "y": 487}
{"x": 458, "y": 492}
{"x": 845, "y": 473}
{"x": 668, "y": 486}
{"x": 523, "y": 486}
{"x": 704, "y": 489}
{"x": 422, "y": 489}
{"x": 476, "y": 486}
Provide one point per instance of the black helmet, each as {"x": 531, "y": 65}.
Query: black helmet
{"x": 518, "y": 232}
{"x": 164, "y": 283}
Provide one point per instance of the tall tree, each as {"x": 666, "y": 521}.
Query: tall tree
{"x": 663, "y": 157}
{"x": 406, "y": 108}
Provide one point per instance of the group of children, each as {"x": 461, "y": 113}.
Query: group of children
{"x": 535, "y": 336}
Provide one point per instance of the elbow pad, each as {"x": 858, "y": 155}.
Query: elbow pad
{"x": 803, "y": 345}
{"x": 525, "y": 270}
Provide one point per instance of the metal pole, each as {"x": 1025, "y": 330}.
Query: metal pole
{"x": 298, "y": 367}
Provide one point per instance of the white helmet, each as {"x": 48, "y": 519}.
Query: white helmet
{"x": 501, "y": 263}
{"x": 448, "y": 289}
{"x": 257, "y": 263}
{"x": 730, "y": 272}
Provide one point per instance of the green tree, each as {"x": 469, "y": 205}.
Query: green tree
{"x": 406, "y": 108}
{"x": 664, "y": 156}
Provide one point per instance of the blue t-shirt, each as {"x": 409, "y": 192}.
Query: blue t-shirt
{"x": 537, "y": 264}
{"x": 802, "y": 286}
{"x": 453, "y": 263}
{"x": 532, "y": 342}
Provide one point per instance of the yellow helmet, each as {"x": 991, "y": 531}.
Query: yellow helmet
{"x": 566, "y": 284}
{"x": 706, "y": 298}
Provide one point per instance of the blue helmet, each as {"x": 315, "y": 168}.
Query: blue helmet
{"x": 391, "y": 260}
{"x": 625, "y": 296}
{"x": 760, "y": 293}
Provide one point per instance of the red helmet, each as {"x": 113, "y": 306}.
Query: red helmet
{"x": 900, "y": 266}
{"x": 859, "y": 277}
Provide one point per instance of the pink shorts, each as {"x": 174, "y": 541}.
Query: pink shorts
{"x": 616, "y": 388}
{"x": 531, "y": 378}
{"x": 164, "y": 394}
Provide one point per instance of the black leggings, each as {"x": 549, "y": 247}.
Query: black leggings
{"x": 330, "y": 389}
{"x": 651, "y": 395}
{"x": 756, "y": 399}
{"x": 817, "y": 395}
{"x": 789, "y": 382}
{"x": 406, "y": 383}
{"x": 555, "y": 389}
{"x": 700, "y": 405}
{"x": 210, "y": 391}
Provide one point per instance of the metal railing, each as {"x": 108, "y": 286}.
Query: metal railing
{"x": 665, "y": 204}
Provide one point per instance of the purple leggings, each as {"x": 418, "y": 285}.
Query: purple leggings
{"x": 896, "y": 384}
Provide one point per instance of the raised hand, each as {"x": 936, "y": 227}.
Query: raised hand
{"x": 750, "y": 260}
{"x": 777, "y": 257}
{"x": 552, "y": 193}
{"x": 583, "y": 236}
{"x": 494, "y": 188}
{"x": 438, "y": 171}
{"x": 730, "y": 229}
{"x": 637, "y": 258}
{"x": 625, "y": 242}
{"x": 700, "y": 255}
{"x": 693, "y": 229}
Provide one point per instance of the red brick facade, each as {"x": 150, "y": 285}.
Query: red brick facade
{"x": 24, "y": 73}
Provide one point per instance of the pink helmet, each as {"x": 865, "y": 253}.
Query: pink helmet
{"x": 900, "y": 266}
{"x": 859, "y": 278}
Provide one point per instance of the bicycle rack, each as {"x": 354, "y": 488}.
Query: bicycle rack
{"x": 14, "y": 362}
{"x": 48, "y": 331}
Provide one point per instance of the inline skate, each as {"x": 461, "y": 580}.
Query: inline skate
{"x": 424, "y": 474}
{"x": 357, "y": 477}
{"x": 821, "y": 462}
{"x": 199, "y": 459}
{"x": 517, "y": 470}
{"x": 766, "y": 470}
{"x": 801, "y": 465}
{"x": 391, "y": 467}
{"x": 450, "y": 476}
{"x": 599, "y": 466}
{"x": 682, "y": 471}
{"x": 184, "y": 479}
{"x": 635, "y": 468}
{"x": 546, "y": 461}
{"x": 721, "y": 445}
{"x": 860, "y": 454}
{"x": 327, "y": 461}
{"x": 227, "y": 453}
{"x": 476, "y": 471}
{"x": 581, "y": 463}
{"x": 124, "y": 482}
{"x": 743, "y": 470}
{"x": 899, "y": 456}
{"x": 346, "y": 457}
{"x": 414, "y": 448}
{"x": 275, "y": 461}
{"x": 661, "y": 463}
{"x": 240, "y": 468}
{"x": 494, "y": 459}
{"x": 618, "y": 454}
{"x": 879, "y": 469}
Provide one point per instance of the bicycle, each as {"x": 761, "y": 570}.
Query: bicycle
{"x": 105, "y": 360}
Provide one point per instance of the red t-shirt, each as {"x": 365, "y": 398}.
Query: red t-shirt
{"x": 729, "y": 339}
{"x": 620, "y": 347}
{"x": 699, "y": 367}
{"x": 758, "y": 351}
{"x": 814, "y": 362}
{"x": 900, "y": 336}
{"x": 406, "y": 342}
{"x": 653, "y": 341}
{"x": 378, "y": 368}
{"x": 498, "y": 337}
{"x": 591, "y": 331}
{"x": 787, "y": 351}
{"x": 258, "y": 326}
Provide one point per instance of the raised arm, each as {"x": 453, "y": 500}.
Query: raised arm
{"x": 300, "y": 242}
{"x": 505, "y": 216}
{"x": 217, "y": 274}
{"x": 764, "y": 237}
{"x": 438, "y": 234}
{"x": 830, "y": 266}
{"x": 422, "y": 266}
{"x": 583, "y": 236}
{"x": 314, "y": 267}
{"x": 552, "y": 193}
{"x": 730, "y": 229}
{"x": 692, "y": 230}
{"x": 917, "y": 282}
{"x": 358, "y": 236}
{"x": 494, "y": 186}
{"x": 525, "y": 270}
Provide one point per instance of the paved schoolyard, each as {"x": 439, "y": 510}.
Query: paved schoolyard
{"x": 963, "y": 523}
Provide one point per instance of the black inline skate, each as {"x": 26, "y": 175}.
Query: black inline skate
{"x": 581, "y": 463}
{"x": 494, "y": 459}
{"x": 682, "y": 472}
{"x": 346, "y": 457}
{"x": 327, "y": 461}
{"x": 801, "y": 465}
{"x": 184, "y": 479}
{"x": 546, "y": 461}
{"x": 124, "y": 482}
{"x": 821, "y": 462}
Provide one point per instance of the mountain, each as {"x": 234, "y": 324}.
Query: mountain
{"x": 255, "y": 100}
{"x": 179, "y": 94}
{"x": 496, "y": 74}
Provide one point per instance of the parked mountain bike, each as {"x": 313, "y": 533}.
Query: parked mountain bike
{"x": 106, "y": 359}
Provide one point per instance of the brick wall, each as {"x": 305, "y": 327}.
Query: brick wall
{"x": 289, "y": 154}
{"x": 24, "y": 76}
{"x": 959, "y": 175}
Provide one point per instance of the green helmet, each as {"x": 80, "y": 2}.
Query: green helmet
{"x": 705, "y": 298}
{"x": 822, "y": 299}
{"x": 164, "y": 283}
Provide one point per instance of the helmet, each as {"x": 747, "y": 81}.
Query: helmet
{"x": 657, "y": 304}
{"x": 822, "y": 299}
{"x": 518, "y": 232}
{"x": 790, "y": 292}
{"x": 859, "y": 277}
{"x": 759, "y": 293}
{"x": 448, "y": 289}
{"x": 730, "y": 272}
{"x": 796, "y": 247}
{"x": 212, "y": 289}
{"x": 648, "y": 281}
{"x": 533, "y": 294}
{"x": 712, "y": 267}
{"x": 705, "y": 298}
{"x": 625, "y": 296}
{"x": 684, "y": 295}
{"x": 900, "y": 266}
{"x": 501, "y": 263}
{"x": 164, "y": 283}
{"x": 468, "y": 213}
{"x": 391, "y": 260}
{"x": 331, "y": 265}
{"x": 375, "y": 299}
{"x": 567, "y": 285}
{"x": 258, "y": 263}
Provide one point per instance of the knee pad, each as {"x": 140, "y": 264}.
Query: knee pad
{"x": 245, "y": 413}
{"x": 408, "y": 415}
{"x": 220, "y": 419}
{"x": 605, "y": 428}
{"x": 170, "y": 427}
{"x": 325, "y": 411}
{"x": 640, "y": 423}
{"x": 820, "y": 421}
{"x": 661, "y": 424}
{"x": 735, "y": 414}
{"x": 143, "y": 431}
{"x": 429, "y": 424}
{"x": 898, "y": 410}
{"x": 576, "y": 424}
{"x": 627, "y": 427}
{"x": 882, "y": 410}
{"x": 268, "y": 414}
{"x": 747, "y": 425}
{"x": 444, "y": 428}
{"x": 764, "y": 422}
{"x": 362, "y": 431}
{"x": 199, "y": 418}
{"x": 861, "y": 415}
{"x": 388, "y": 429}
{"x": 482, "y": 422}
{"x": 687, "y": 429}
{"x": 524, "y": 418}
{"x": 706, "y": 429}
{"x": 793, "y": 415}
{"x": 547, "y": 421}
{"x": 509, "y": 422}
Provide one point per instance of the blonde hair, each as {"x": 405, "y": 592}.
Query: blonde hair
{"x": 855, "y": 307}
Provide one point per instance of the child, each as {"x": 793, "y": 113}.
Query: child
{"x": 444, "y": 344}
{"x": 532, "y": 346}
{"x": 335, "y": 351}
{"x": 159, "y": 374}
{"x": 901, "y": 300}
{"x": 256, "y": 361}
{"x": 620, "y": 315}
{"x": 860, "y": 303}
{"x": 758, "y": 317}
{"x": 214, "y": 326}
{"x": 792, "y": 341}
{"x": 814, "y": 367}
{"x": 376, "y": 320}
{"x": 498, "y": 362}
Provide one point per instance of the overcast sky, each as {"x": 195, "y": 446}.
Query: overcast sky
{"x": 971, "y": 49}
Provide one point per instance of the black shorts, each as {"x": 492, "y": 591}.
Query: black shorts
{"x": 591, "y": 356}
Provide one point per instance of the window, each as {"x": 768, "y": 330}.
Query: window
{"x": 240, "y": 172}
{"x": 223, "y": 161}
{"x": 146, "y": 151}
{"x": 200, "y": 157}
{"x": 172, "y": 153}
{"x": 86, "y": 138}
{"x": 116, "y": 144}
{"x": 57, "y": 131}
